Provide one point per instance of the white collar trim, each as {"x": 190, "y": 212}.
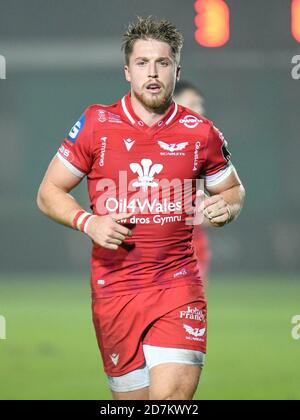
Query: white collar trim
{"x": 127, "y": 113}
{"x": 173, "y": 114}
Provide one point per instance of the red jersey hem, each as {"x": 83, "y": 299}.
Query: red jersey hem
{"x": 98, "y": 295}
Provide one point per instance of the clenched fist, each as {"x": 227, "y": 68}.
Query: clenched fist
{"x": 107, "y": 232}
{"x": 217, "y": 210}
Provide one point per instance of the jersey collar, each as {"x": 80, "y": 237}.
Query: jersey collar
{"x": 138, "y": 123}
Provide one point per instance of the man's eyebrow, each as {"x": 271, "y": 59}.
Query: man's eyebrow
{"x": 158, "y": 59}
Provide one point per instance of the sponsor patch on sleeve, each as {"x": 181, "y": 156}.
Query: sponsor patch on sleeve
{"x": 75, "y": 130}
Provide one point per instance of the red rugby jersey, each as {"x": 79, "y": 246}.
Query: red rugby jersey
{"x": 151, "y": 171}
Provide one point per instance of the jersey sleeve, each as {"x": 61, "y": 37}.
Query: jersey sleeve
{"x": 76, "y": 150}
{"x": 217, "y": 164}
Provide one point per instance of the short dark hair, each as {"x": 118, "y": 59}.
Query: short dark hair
{"x": 149, "y": 28}
{"x": 185, "y": 85}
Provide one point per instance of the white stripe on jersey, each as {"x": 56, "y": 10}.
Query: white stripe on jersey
{"x": 214, "y": 179}
{"x": 71, "y": 168}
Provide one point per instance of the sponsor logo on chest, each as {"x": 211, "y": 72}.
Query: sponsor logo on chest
{"x": 190, "y": 121}
{"x": 104, "y": 116}
{"x": 146, "y": 171}
{"x": 172, "y": 149}
{"x": 129, "y": 143}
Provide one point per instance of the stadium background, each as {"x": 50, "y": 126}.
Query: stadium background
{"x": 62, "y": 56}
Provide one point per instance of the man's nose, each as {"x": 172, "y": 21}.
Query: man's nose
{"x": 153, "y": 71}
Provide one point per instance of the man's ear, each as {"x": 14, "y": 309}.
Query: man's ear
{"x": 127, "y": 73}
{"x": 178, "y": 73}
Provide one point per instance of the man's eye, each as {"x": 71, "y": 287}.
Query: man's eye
{"x": 164, "y": 63}
{"x": 141, "y": 63}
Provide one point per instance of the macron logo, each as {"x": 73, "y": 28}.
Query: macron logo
{"x": 129, "y": 143}
{"x": 146, "y": 172}
{"x": 114, "y": 358}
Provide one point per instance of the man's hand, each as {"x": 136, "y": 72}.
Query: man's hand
{"x": 107, "y": 232}
{"x": 217, "y": 210}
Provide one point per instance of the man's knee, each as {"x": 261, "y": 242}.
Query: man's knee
{"x": 178, "y": 394}
{"x": 139, "y": 394}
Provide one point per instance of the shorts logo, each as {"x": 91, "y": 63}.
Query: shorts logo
{"x": 190, "y": 121}
{"x": 193, "y": 313}
{"x": 114, "y": 358}
{"x": 196, "y": 332}
{"x": 128, "y": 143}
{"x": 172, "y": 148}
{"x": 146, "y": 172}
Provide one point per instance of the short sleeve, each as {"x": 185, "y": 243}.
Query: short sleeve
{"x": 76, "y": 150}
{"x": 217, "y": 165}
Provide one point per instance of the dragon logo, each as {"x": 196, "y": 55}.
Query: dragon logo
{"x": 172, "y": 147}
{"x": 196, "y": 332}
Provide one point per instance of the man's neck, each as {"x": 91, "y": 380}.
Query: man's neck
{"x": 149, "y": 116}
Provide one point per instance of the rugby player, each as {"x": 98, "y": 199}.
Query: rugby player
{"x": 142, "y": 157}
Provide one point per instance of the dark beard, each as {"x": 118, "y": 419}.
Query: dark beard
{"x": 159, "y": 103}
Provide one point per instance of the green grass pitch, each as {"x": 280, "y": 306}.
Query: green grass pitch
{"x": 51, "y": 353}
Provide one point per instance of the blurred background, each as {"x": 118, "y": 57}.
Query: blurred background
{"x": 62, "y": 56}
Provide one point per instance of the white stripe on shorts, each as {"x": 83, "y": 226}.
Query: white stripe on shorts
{"x": 140, "y": 378}
{"x": 137, "y": 379}
{"x": 155, "y": 355}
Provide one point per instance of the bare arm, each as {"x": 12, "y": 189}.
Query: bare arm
{"x": 53, "y": 197}
{"x": 226, "y": 201}
{"x": 54, "y": 200}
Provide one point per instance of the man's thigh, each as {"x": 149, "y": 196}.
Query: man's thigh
{"x": 174, "y": 381}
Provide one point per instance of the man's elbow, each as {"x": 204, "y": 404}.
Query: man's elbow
{"x": 40, "y": 199}
{"x": 242, "y": 192}
{"x": 240, "y": 199}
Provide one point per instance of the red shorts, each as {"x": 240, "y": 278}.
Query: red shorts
{"x": 175, "y": 318}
